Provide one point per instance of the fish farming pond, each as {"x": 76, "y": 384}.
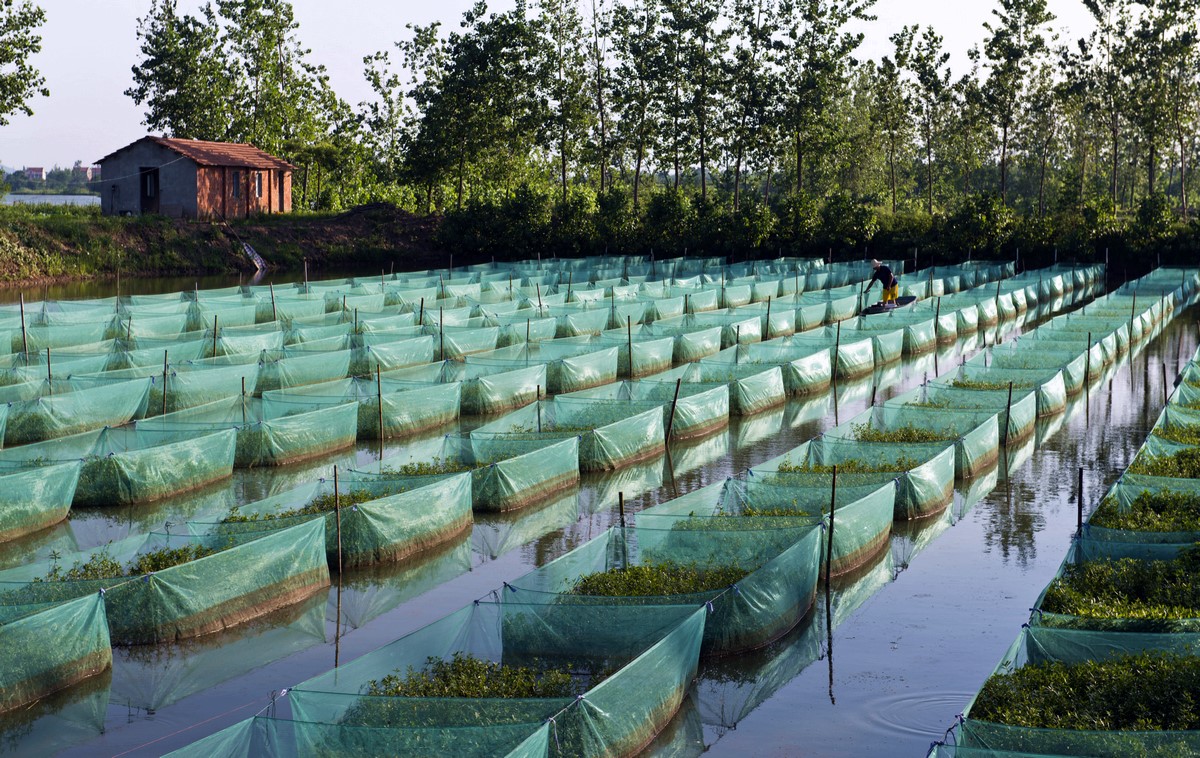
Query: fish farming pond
{"x": 881, "y": 666}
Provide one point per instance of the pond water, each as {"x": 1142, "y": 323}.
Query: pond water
{"x": 914, "y": 634}
{"x": 14, "y": 198}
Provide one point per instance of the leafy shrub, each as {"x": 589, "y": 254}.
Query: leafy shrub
{"x": 431, "y": 468}
{"x": 1128, "y": 589}
{"x": 1147, "y": 691}
{"x": 1151, "y": 511}
{"x": 981, "y": 384}
{"x": 1182, "y": 465}
{"x": 1184, "y": 434}
{"x": 465, "y": 676}
{"x": 657, "y": 579}
{"x": 102, "y": 566}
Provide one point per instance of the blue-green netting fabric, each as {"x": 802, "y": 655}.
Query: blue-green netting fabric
{"x": 250, "y": 574}
{"x": 1020, "y": 414}
{"x": 698, "y": 409}
{"x": 652, "y": 650}
{"x": 63, "y": 410}
{"x": 923, "y": 472}
{"x": 975, "y": 434}
{"x": 36, "y": 498}
{"x": 612, "y": 433}
{"x": 282, "y": 738}
{"x": 124, "y": 465}
{"x": 1040, "y": 645}
{"x": 381, "y": 519}
{"x": 46, "y": 648}
{"x": 783, "y": 560}
{"x": 1122, "y": 497}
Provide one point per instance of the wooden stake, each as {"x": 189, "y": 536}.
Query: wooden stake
{"x": 1007, "y": 414}
{"x": 214, "y": 335}
{"x": 337, "y": 510}
{"x": 621, "y": 507}
{"x": 164, "y": 385}
{"x": 379, "y": 394}
{"x": 829, "y": 541}
{"x": 274, "y": 314}
{"x": 629, "y": 334}
{"x": 24, "y": 334}
{"x": 539, "y": 294}
{"x": 674, "y": 402}
{"x": 538, "y": 405}
{"x": 441, "y": 334}
{"x": 50, "y": 374}
{"x": 421, "y": 317}
{"x": 243, "y": 401}
{"x": 768, "y": 334}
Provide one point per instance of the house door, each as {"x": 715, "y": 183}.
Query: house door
{"x": 149, "y": 189}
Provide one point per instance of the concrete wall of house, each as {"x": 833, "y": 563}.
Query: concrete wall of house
{"x": 120, "y": 187}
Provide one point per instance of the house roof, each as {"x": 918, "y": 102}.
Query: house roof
{"x": 205, "y": 153}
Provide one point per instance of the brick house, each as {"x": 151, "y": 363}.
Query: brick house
{"x": 35, "y": 174}
{"x": 194, "y": 179}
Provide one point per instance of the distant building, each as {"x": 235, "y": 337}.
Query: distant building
{"x": 35, "y": 174}
{"x": 194, "y": 179}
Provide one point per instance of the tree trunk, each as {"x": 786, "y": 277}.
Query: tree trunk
{"x": 1004, "y": 164}
{"x": 929, "y": 174}
{"x": 562, "y": 148}
{"x": 1042, "y": 186}
{"x": 1183, "y": 198}
{"x": 799, "y": 163}
{"x": 892, "y": 172}
{"x": 737, "y": 178}
{"x": 462, "y": 161}
{"x": 1115, "y": 133}
{"x": 637, "y": 172}
{"x": 1150, "y": 170}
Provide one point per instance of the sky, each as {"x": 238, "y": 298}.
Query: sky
{"x": 89, "y": 47}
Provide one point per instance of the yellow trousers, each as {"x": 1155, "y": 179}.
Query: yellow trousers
{"x": 891, "y": 293}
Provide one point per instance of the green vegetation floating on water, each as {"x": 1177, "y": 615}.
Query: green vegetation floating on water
{"x": 1182, "y": 465}
{"x": 465, "y": 676}
{"x": 1149, "y": 691}
{"x": 902, "y": 434}
{"x": 1184, "y": 434}
{"x": 1151, "y": 511}
{"x": 318, "y": 505}
{"x": 1128, "y": 589}
{"x": 431, "y": 468}
{"x": 657, "y": 579}
{"x": 849, "y": 466}
{"x": 102, "y": 566}
{"x": 981, "y": 384}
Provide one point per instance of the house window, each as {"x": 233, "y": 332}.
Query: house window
{"x": 258, "y": 184}
{"x": 237, "y": 184}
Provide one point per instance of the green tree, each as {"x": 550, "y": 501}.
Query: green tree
{"x": 933, "y": 92}
{"x": 636, "y": 96}
{"x": 563, "y": 74}
{"x": 814, "y": 58}
{"x": 752, "y": 85}
{"x": 1014, "y": 44}
{"x": 182, "y": 78}
{"x": 19, "y": 81}
{"x": 891, "y": 112}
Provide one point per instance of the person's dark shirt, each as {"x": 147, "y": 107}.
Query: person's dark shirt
{"x": 883, "y": 275}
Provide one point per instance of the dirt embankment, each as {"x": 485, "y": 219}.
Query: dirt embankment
{"x": 39, "y": 247}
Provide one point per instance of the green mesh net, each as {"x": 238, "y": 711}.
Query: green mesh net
{"x": 651, "y": 652}
{"x": 698, "y": 409}
{"x": 923, "y": 472}
{"x": 611, "y": 433}
{"x": 974, "y": 434}
{"x": 806, "y": 370}
{"x": 782, "y": 560}
{"x": 570, "y": 365}
{"x": 33, "y": 669}
{"x": 1018, "y": 417}
{"x": 266, "y": 437}
{"x": 247, "y": 576}
{"x": 36, "y": 498}
{"x": 63, "y": 408}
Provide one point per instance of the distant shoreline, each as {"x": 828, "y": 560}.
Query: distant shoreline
{"x": 53, "y": 192}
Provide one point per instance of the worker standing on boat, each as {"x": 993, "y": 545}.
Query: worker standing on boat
{"x": 888, "y": 281}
